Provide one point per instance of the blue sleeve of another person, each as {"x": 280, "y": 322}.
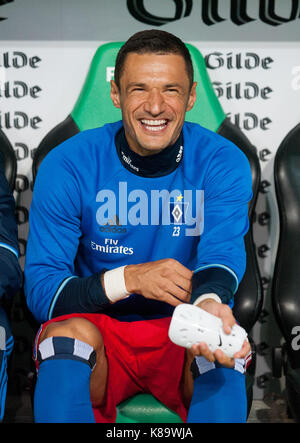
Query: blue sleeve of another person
{"x": 10, "y": 271}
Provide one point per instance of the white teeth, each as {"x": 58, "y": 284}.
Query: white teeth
{"x": 155, "y": 128}
{"x": 154, "y": 125}
{"x": 154, "y": 122}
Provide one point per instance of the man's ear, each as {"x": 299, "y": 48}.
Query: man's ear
{"x": 192, "y": 97}
{"x": 114, "y": 94}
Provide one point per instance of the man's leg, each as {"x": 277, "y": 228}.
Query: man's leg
{"x": 219, "y": 394}
{"x": 72, "y": 374}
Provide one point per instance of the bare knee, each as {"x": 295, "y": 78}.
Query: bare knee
{"x": 76, "y": 327}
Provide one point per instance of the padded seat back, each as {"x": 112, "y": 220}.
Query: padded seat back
{"x": 286, "y": 280}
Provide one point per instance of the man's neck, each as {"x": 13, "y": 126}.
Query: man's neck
{"x": 155, "y": 165}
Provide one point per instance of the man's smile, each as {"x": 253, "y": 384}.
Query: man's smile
{"x": 154, "y": 125}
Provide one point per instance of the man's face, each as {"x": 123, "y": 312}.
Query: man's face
{"x": 154, "y": 96}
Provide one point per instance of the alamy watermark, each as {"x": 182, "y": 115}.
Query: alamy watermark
{"x": 295, "y": 343}
{"x": 155, "y": 207}
{"x": 295, "y": 83}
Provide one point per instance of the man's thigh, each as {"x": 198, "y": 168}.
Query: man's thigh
{"x": 140, "y": 358}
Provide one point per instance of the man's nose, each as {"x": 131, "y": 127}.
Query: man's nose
{"x": 155, "y": 103}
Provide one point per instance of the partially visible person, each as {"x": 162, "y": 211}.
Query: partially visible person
{"x": 10, "y": 278}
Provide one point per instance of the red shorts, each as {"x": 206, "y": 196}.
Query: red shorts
{"x": 141, "y": 358}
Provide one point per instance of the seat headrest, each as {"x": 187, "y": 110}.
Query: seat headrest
{"x": 94, "y": 107}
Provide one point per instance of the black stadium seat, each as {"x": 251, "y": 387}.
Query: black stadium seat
{"x": 286, "y": 279}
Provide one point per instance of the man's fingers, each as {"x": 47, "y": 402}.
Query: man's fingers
{"x": 227, "y": 319}
{"x": 178, "y": 293}
{"x": 172, "y": 299}
{"x": 180, "y": 287}
{"x": 180, "y": 282}
{"x": 182, "y": 270}
{"x": 246, "y": 348}
{"x": 148, "y": 279}
{"x": 202, "y": 349}
{"x": 223, "y": 359}
{"x": 183, "y": 282}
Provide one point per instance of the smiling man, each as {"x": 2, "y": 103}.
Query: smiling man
{"x": 141, "y": 215}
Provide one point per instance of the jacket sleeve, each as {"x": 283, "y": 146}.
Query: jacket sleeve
{"x": 10, "y": 272}
{"x": 221, "y": 256}
{"x": 52, "y": 287}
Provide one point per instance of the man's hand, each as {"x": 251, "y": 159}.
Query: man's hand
{"x": 225, "y": 314}
{"x": 164, "y": 280}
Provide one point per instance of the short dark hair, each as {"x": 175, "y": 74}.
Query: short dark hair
{"x": 153, "y": 41}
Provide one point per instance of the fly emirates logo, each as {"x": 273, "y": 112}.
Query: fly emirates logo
{"x": 111, "y": 246}
{"x": 182, "y": 210}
